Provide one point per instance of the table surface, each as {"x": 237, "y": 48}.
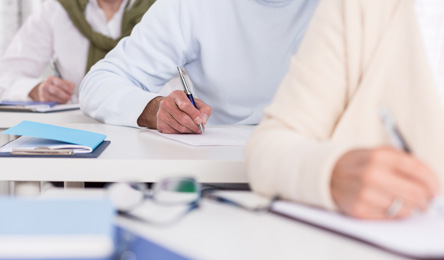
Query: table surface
{"x": 220, "y": 231}
{"x": 8, "y": 119}
{"x": 134, "y": 154}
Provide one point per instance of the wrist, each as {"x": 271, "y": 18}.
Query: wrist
{"x": 34, "y": 93}
{"x": 148, "y": 118}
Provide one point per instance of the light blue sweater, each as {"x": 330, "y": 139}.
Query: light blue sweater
{"x": 236, "y": 53}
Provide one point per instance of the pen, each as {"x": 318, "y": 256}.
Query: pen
{"x": 395, "y": 136}
{"x": 41, "y": 152}
{"x": 53, "y": 66}
{"x": 399, "y": 142}
{"x": 188, "y": 91}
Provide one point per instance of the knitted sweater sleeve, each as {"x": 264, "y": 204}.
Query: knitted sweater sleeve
{"x": 117, "y": 88}
{"x": 294, "y": 150}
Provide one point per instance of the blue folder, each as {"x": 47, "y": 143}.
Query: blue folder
{"x": 62, "y": 134}
{"x": 57, "y": 133}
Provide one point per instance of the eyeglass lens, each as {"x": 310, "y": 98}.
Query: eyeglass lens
{"x": 176, "y": 191}
{"x": 173, "y": 191}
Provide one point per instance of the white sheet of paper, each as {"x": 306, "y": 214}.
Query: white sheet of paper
{"x": 233, "y": 135}
{"x": 421, "y": 235}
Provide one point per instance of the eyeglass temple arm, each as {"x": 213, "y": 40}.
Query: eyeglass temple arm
{"x": 234, "y": 203}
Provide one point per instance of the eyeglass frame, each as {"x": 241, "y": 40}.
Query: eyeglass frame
{"x": 149, "y": 193}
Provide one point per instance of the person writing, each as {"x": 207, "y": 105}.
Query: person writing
{"x": 77, "y": 33}
{"x": 322, "y": 140}
{"x": 234, "y": 52}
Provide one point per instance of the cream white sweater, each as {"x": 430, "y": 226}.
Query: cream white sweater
{"x": 356, "y": 56}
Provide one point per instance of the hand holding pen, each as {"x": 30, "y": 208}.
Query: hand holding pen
{"x": 382, "y": 182}
{"x": 53, "y": 88}
{"x": 398, "y": 141}
{"x": 176, "y": 113}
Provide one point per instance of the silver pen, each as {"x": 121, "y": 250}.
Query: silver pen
{"x": 41, "y": 151}
{"x": 188, "y": 91}
{"x": 54, "y": 67}
{"x": 395, "y": 136}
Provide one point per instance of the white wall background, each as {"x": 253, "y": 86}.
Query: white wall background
{"x": 12, "y": 14}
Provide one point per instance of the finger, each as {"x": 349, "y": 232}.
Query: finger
{"x": 50, "y": 90}
{"x": 65, "y": 85}
{"x": 165, "y": 128}
{"x": 182, "y": 121}
{"x": 54, "y": 93}
{"x": 205, "y": 110}
{"x": 369, "y": 204}
{"x": 386, "y": 178}
{"x": 412, "y": 192}
{"x": 184, "y": 104}
{"x": 374, "y": 204}
{"x": 166, "y": 118}
{"x": 412, "y": 168}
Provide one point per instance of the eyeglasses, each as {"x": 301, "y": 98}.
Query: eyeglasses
{"x": 170, "y": 199}
{"x": 181, "y": 195}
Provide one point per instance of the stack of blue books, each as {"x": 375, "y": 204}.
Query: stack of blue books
{"x": 56, "y": 228}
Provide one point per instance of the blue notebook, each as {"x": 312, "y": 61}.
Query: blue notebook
{"x": 56, "y": 229}
{"x": 34, "y": 106}
{"x": 27, "y": 103}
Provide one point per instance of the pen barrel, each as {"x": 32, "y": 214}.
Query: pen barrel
{"x": 57, "y": 73}
{"x": 54, "y": 67}
{"x": 191, "y": 98}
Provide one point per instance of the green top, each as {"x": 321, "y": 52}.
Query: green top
{"x": 100, "y": 44}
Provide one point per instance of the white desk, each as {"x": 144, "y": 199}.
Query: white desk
{"x": 218, "y": 231}
{"x": 134, "y": 154}
{"x": 8, "y": 119}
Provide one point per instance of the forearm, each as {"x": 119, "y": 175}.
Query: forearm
{"x": 292, "y": 153}
{"x": 111, "y": 98}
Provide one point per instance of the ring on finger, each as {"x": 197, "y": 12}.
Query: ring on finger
{"x": 394, "y": 207}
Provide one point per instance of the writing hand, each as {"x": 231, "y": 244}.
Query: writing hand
{"x": 53, "y": 89}
{"x": 365, "y": 183}
{"x": 175, "y": 114}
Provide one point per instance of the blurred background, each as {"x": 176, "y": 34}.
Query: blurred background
{"x": 12, "y": 15}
